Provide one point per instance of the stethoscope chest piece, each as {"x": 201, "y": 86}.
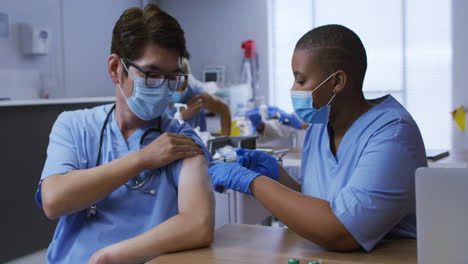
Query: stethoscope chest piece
{"x": 91, "y": 212}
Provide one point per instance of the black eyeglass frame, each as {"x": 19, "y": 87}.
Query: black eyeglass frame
{"x": 167, "y": 77}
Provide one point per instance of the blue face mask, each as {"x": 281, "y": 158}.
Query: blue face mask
{"x": 147, "y": 103}
{"x": 178, "y": 96}
{"x": 303, "y": 103}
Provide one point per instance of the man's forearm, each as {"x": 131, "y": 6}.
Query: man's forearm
{"x": 63, "y": 194}
{"x": 226, "y": 121}
{"x": 180, "y": 232}
{"x": 310, "y": 217}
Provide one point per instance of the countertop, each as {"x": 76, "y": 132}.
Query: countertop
{"x": 57, "y": 101}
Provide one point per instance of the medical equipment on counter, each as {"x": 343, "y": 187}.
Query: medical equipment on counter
{"x": 278, "y": 153}
{"x": 240, "y": 125}
{"x": 138, "y": 185}
{"x": 178, "y": 114}
{"x": 249, "y": 68}
{"x": 215, "y": 74}
{"x": 225, "y": 154}
{"x": 246, "y": 142}
{"x": 204, "y": 135}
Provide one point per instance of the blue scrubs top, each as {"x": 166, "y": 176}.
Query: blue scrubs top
{"x": 370, "y": 181}
{"x": 125, "y": 213}
{"x": 197, "y": 119}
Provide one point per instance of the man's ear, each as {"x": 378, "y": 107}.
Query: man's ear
{"x": 339, "y": 81}
{"x": 114, "y": 67}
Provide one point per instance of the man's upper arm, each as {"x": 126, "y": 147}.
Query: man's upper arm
{"x": 195, "y": 193}
{"x": 61, "y": 152}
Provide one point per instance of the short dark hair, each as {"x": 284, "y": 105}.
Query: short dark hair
{"x": 138, "y": 27}
{"x": 341, "y": 48}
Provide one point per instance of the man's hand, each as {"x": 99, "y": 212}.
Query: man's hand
{"x": 168, "y": 148}
{"x": 194, "y": 105}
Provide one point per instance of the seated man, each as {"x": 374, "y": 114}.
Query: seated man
{"x": 358, "y": 159}
{"x": 197, "y": 102}
{"x": 127, "y": 181}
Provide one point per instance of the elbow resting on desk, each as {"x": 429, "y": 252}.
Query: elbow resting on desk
{"x": 202, "y": 230}
{"x": 336, "y": 242}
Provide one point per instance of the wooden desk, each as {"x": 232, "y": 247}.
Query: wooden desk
{"x": 258, "y": 244}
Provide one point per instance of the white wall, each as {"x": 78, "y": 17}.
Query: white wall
{"x": 80, "y": 34}
{"x": 460, "y": 68}
{"x": 88, "y": 26}
{"x": 23, "y": 76}
{"x": 285, "y": 34}
{"x": 429, "y": 82}
{"x": 215, "y": 30}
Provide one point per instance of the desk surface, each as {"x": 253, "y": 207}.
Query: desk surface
{"x": 259, "y": 244}
{"x": 454, "y": 160}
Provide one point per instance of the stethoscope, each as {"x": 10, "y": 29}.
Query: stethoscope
{"x": 138, "y": 185}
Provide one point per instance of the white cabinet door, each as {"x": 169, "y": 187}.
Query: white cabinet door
{"x": 237, "y": 208}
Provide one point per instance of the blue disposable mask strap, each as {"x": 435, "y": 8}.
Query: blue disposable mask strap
{"x": 334, "y": 94}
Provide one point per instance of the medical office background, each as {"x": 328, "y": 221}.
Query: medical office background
{"x": 417, "y": 50}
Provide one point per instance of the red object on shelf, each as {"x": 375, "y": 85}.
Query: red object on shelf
{"x": 249, "y": 48}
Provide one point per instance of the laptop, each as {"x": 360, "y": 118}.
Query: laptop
{"x": 442, "y": 215}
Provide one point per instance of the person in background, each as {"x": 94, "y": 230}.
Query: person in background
{"x": 197, "y": 102}
{"x": 359, "y": 156}
{"x": 277, "y": 129}
{"x": 127, "y": 181}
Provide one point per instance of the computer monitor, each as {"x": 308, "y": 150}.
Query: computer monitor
{"x": 442, "y": 215}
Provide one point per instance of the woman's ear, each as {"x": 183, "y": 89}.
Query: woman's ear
{"x": 339, "y": 81}
{"x": 114, "y": 67}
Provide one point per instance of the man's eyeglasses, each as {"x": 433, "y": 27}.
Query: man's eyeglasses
{"x": 157, "y": 79}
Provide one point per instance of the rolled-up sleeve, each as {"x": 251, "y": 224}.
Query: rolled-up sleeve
{"x": 62, "y": 154}
{"x": 380, "y": 192}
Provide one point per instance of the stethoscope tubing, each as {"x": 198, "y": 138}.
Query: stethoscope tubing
{"x": 138, "y": 185}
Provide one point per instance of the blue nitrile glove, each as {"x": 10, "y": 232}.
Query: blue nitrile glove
{"x": 273, "y": 111}
{"x": 254, "y": 116}
{"x": 258, "y": 161}
{"x": 284, "y": 118}
{"x": 290, "y": 120}
{"x": 232, "y": 176}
